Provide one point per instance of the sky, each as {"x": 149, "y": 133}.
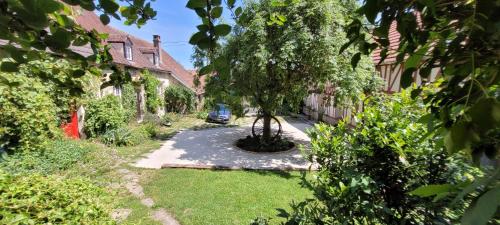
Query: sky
{"x": 174, "y": 23}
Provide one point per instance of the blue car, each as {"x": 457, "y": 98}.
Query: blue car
{"x": 220, "y": 114}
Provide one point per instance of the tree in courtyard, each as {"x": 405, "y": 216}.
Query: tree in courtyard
{"x": 267, "y": 62}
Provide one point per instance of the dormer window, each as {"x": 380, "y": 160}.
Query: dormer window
{"x": 128, "y": 52}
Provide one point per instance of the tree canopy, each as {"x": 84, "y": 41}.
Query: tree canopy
{"x": 265, "y": 63}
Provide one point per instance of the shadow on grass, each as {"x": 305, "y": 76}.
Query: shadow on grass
{"x": 277, "y": 173}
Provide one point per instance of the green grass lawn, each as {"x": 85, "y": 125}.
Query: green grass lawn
{"x": 224, "y": 197}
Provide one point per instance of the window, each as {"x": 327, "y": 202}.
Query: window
{"x": 128, "y": 52}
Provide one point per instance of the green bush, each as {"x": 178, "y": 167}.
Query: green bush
{"x": 130, "y": 135}
{"x": 118, "y": 137}
{"x": 103, "y": 115}
{"x": 28, "y": 116}
{"x": 202, "y": 115}
{"x": 58, "y": 155}
{"x": 151, "y": 84}
{"x": 179, "y": 99}
{"x": 151, "y": 129}
{"x": 35, "y": 199}
{"x": 170, "y": 118}
{"x": 366, "y": 173}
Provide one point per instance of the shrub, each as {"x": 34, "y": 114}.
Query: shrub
{"x": 28, "y": 116}
{"x": 35, "y": 199}
{"x": 151, "y": 129}
{"x": 151, "y": 84}
{"x": 170, "y": 118}
{"x": 57, "y": 156}
{"x": 179, "y": 99}
{"x": 118, "y": 137}
{"x": 103, "y": 115}
{"x": 202, "y": 115}
{"x": 366, "y": 173}
{"x": 131, "y": 135}
{"x": 152, "y": 118}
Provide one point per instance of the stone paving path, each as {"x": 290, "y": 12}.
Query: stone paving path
{"x": 215, "y": 147}
{"x": 132, "y": 185}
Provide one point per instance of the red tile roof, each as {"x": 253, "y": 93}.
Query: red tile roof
{"x": 89, "y": 20}
{"x": 394, "y": 37}
{"x": 394, "y": 40}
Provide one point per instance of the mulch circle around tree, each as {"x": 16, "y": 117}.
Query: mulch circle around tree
{"x": 255, "y": 144}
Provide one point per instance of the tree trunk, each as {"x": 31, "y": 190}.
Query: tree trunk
{"x": 266, "y": 134}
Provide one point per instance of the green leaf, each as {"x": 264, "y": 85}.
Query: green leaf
{"x": 222, "y": 29}
{"x": 194, "y": 4}
{"x": 231, "y": 3}
{"x": 416, "y": 92}
{"x": 197, "y": 37}
{"x": 216, "y": 12}
{"x": 407, "y": 78}
{"x": 484, "y": 209}
{"x": 238, "y": 11}
{"x": 201, "y": 12}
{"x": 202, "y": 28}
{"x": 61, "y": 39}
{"x": 486, "y": 114}
{"x": 459, "y": 137}
{"x": 104, "y": 19}
{"x": 109, "y": 6}
{"x": 206, "y": 70}
{"x": 50, "y": 6}
{"x": 414, "y": 60}
{"x": 370, "y": 10}
{"x": 355, "y": 59}
{"x": 433, "y": 189}
{"x": 9, "y": 67}
{"x": 216, "y": 2}
{"x": 78, "y": 73}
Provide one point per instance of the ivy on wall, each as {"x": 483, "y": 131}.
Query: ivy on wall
{"x": 129, "y": 100}
{"x": 151, "y": 84}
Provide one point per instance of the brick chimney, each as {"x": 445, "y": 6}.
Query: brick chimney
{"x": 157, "y": 44}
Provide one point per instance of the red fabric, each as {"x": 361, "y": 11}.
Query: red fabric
{"x": 71, "y": 129}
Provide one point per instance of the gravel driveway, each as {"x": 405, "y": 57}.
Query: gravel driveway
{"x": 215, "y": 147}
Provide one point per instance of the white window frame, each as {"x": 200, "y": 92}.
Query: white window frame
{"x": 128, "y": 52}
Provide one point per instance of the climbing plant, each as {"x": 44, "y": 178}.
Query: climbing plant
{"x": 129, "y": 100}
{"x": 151, "y": 85}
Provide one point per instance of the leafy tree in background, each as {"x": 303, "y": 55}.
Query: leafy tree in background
{"x": 266, "y": 62}
{"x": 179, "y": 99}
{"x": 31, "y": 27}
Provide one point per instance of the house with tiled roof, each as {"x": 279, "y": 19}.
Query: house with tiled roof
{"x": 134, "y": 54}
{"x": 389, "y": 70}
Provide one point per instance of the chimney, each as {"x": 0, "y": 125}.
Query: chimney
{"x": 157, "y": 45}
{"x": 156, "y": 41}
